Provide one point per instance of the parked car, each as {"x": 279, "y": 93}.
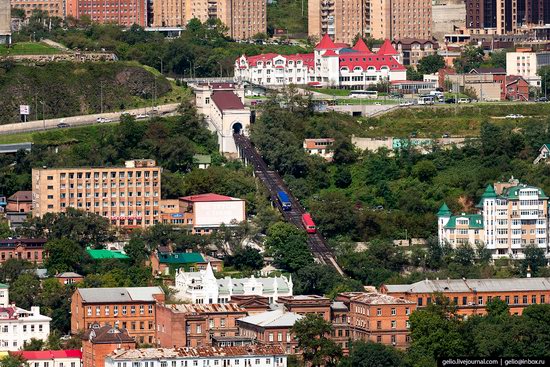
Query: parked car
{"x": 141, "y": 116}
{"x": 103, "y": 119}
{"x": 405, "y": 104}
{"x": 464, "y": 100}
{"x": 514, "y": 116}
{"x": 541, "y": 99}
{"x": 450, "y": 100}
{"x": 62, "y": 125}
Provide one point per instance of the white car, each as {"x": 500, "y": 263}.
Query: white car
{"x": 464, "y": 100}
{"x": 514, "y": 116}
{"x": 103, "y": 119}
{"x": 141, "y": 116}
{"x": 405, "y": 104}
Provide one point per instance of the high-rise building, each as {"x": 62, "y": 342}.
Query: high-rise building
{"x": 342, "y": 20}
{"x": 5, "y": 22}
{"x": 243, "y": 18}
{"x": 122, "y": 12}
{"x": 128, "y": 196}
{"x": 397, "y": 19}
{"x": 511, "y": 216}
{"x": 505, "y": 16}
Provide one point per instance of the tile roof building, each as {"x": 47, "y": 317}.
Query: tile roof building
{"x": 330, "y": 65}
{"x": 19, "y": 326}
{"x": 132, "y": 309}
{"x": 20, "y": 202}
{"x": 194, "y": 325}
{"x": 321, "y": 147}
{"x": 510, "y": 216}
{"x": 166, "y": 262}
{"x": 99, "y": 341}
{"x": 29, "y": 249}
{"x": 472, "y": 295}
{"x": 203, "y": 287}
{"x": 252, "y": 355}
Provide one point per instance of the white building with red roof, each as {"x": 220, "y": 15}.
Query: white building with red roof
{"x": 330, "y": 65}
{"x": 206, "y": 212}
{"x": 51, "y": 358}
{"x": 222, "y": 105}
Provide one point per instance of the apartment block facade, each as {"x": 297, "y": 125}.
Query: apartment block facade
{"x": 342, "y": 20}
{"x": 55, "y": 8}
{"x": 128, "y": 196}
{"x": 132, "y": 309}
{"x": 511, "y": 216}
{"x": 527, "y": 65}
{"x": 122, "y": 12}
{"x": 243, "y": 18}
{"x": 472, "y": 295}
{"x": 397, "y": 19}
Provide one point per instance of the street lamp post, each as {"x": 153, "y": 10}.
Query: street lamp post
{"x": 161, "y": 68}
{"x": 43, "y": 116}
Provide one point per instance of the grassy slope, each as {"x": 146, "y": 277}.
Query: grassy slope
{"x": 460, "y": 121}
{"x": 28, "y": 48}
{"x": 287, "y": 14}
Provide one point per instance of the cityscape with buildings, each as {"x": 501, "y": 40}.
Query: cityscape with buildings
{"x": 274, "y": 183}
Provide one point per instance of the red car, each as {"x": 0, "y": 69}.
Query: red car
{"x": 308, "y": 223}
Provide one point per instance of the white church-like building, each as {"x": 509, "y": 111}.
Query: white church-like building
{"x": 202, "y": 287}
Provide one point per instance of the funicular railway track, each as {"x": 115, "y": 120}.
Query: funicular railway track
{"x": 274, "y": 183}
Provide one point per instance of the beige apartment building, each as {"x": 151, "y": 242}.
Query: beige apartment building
{"x": 342, "y": 20}
{"x": 128, "y": 196}
{"x": 243, "y": 18}
{"x": 398, "y": 19}
{"x": 54, "y": 8}
{"x": 511, "y": 216}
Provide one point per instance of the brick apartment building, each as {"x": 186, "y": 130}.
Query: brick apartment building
{"x": 472, "y": 295}
{"x": 122, "y": 12}
{"x": 128, "y": 196}
{"x": 194, "y": 325}
{"x": 54, "y": 8}
{"x": 29, "y": 249}
{"x": 20, "y": 202}
{"x": 99, "y": 341}
{"x": 378, "y": 317}
{"x": 132, "y": 309}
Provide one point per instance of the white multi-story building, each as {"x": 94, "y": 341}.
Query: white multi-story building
{"x": 246, "y": 356}
{"x": 527, "y": 65}
{"x": 18, "y": 326}
{"x": 330, "y": 65}
{"x": 203, "y": 287}
{"x": 511, "y": 216}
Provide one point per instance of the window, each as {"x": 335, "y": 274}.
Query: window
{"x": 393, "y": 324}
{"x": 407, "y": 311}
{"x": 378, "y": 312}
{"x": 141, "y": 309}
{"x": 98, "y": 311}
{"x": 89, "y": 311}
{"x": 379, "y": 324}
{"x": 419, "y": 301}
{"x": 270, "y": 337}
{"x": 393, "y": 312}
{"x": 124, "y": 310}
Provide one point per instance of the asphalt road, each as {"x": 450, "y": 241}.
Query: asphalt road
{"x": 82, "y": 120}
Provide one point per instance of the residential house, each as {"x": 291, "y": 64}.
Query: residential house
{"x": 20, "y": 202}
{"x": 321, "y": 147}
{"x": 544, "y": 154}
{"x": 100, "y": 341}
{"x": 69, "y": 277}
{"x": 29, "y": 249}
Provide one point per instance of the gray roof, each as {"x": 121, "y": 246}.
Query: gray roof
{"x": 277, "y": 318}
{"x": 339, "y": 306}
{"x": 238, "y": 285}
{"x": 68, "y": 274}
{"x": 112, "y": 295}
{"x": 469, "y": 285}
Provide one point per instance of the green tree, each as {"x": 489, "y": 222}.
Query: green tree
{"x": 333, "y": 213}
{"x": 368, "y": 354}
{"x": 534, "y": 259}
{"x": 63, "y": 255}
{"x": 430, "y": 64}
{"x": 25, "y": 290}
{"x": 288, "y": 245}
{"x": 413, "y": 74}
{"x": 342, "y": 177}
{"x": 246, "y": 258}
{"x": 13, "y": 361}
{"x": 312, "y": 333}
{"x": 34, "y": 344}
{"x": 470, "y": 58}
{"x": 137, "y": 249}
{"x": 498, "y": 59}
{"x": 544, "y": 73}
{"x": 424, "y": 170}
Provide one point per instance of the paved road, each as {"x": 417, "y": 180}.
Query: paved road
{"x": 82, "y": 120}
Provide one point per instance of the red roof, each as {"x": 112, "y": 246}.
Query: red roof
{"x": 361, "y": 46}
{"x": 352, "y": 60}
{"x": 49, "y": 354}
{"x": 326, "y": 44}
{"x": 329, "y": 53}
{"x": 253, "y": 60}
{"x": 387, "y": 49}
{"x": 227, "y": 100}
{"x": 307, "y": 59}
{"x": 206, "y": 198}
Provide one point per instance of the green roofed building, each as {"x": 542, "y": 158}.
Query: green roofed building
{"x": 101, "y": 254}
{"x": 510, "y": 217}
{"x": 168, "y": 262}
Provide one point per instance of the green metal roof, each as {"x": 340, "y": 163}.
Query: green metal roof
{"x": 475, "y": 221}
{"x": 444, "y": 211}
{"x": 99, "y": 254}
{"x": 489, "y": 192}
{"x": 4, "y": 286}
{"x": 181, "y": 258}
{"x": 513, "y": 192}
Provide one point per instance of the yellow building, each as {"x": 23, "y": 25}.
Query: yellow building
{"x": 128, "y": 196}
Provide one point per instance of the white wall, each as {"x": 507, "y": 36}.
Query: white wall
{"x": 213, "y": 214}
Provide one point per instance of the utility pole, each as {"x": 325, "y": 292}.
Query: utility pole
{"x": 101, "y": 96}
{"x": 160, "y": 58}
{"x": 43, "y": 116}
